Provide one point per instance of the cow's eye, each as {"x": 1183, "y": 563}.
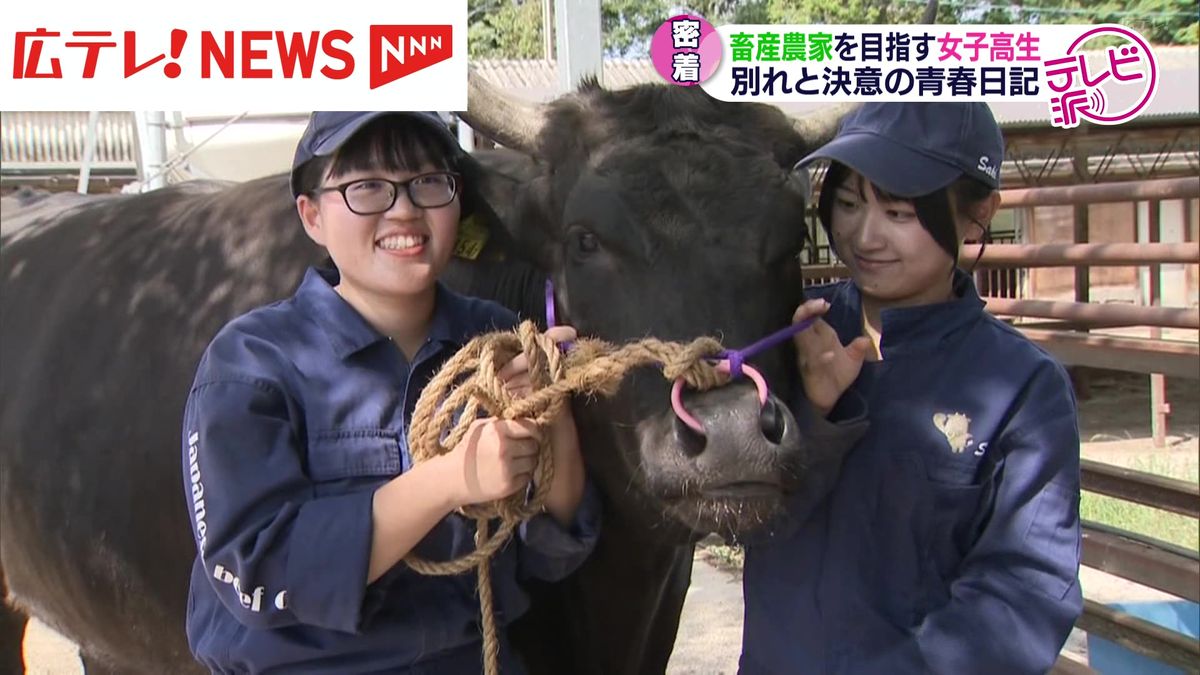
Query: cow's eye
{"x": 584, "y": 243}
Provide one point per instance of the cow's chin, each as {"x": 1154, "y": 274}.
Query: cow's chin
{"x": 732, "y": 511}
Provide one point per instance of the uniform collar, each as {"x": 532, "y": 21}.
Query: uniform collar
{"x": 349, "y": 332}
{"x": 914, "y": 329}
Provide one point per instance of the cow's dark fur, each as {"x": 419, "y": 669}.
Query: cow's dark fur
{"x": 106, "y": 311}
{"x": 657, "y": 211}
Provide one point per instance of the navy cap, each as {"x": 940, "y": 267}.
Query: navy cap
{"x": 328, "y": 130}
{"x": 914, "y": 149}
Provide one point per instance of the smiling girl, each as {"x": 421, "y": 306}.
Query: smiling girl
{"x": 297, "y": 425}
{"x": 950, "y": 543}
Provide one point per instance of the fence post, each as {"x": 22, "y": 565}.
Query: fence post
{"x": 1079, "y": 376}
{"x": 579, "y": 43}
{"x": 1158, "y": 382}
{"x": 1082, "y": 277}
{"x": 89, "y": 151}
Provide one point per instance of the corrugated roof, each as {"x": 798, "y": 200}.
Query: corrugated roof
{"x": 44, "y": 139}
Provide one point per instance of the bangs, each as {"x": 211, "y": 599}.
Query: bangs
{"x": 394, "y": 144}
{"x": 935, "y": 211}
{"x": 859, "y": 188}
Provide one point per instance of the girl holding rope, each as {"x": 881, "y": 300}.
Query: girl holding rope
{"x": 296, "y": 462}
{"x": 950, "y": 542}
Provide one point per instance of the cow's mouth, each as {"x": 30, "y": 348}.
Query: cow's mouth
{"x": 740, "y": 490}
{"x": 729, "y": 509}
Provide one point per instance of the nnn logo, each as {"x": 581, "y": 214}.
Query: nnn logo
{"x": 397, "y": 51}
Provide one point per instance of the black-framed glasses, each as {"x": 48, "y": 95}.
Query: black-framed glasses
{"x": 369, "y": 196}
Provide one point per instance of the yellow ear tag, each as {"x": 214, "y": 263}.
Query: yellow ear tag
{"x": 472, "y": 237}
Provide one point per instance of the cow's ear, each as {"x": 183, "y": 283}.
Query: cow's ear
{"x": 506, "y": 193}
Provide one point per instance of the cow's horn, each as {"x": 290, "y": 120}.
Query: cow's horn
{"x": 819, "y": 128}
{"x": 505, "y": 119}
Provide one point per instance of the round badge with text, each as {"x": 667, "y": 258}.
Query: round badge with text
{"x": 686, "y": 50}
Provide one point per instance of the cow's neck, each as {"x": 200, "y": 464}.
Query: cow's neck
{"x": 512, "y": 282}
{"x": 635, "y": 594}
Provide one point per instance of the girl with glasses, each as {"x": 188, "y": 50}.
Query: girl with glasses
{"x": 296, "y": 462}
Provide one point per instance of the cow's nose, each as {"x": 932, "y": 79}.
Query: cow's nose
{"x": 732, "y": 417}
{"x": 771, "y": 420}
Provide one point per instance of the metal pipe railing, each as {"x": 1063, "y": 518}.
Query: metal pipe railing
{"x": 1133, "y": 355}
{"x": 1140, "y": 636}
{"x": 1054, "y": 255}
{"x": 1148, "y": 489}
{"x": 1142, "y": 560}
{"x": 1078, "y": 255}
{"x": 1102, "y": 193}
{"x": 1130, "y": 315}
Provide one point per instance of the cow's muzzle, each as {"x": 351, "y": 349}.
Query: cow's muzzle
{"x": 745, "y": 443}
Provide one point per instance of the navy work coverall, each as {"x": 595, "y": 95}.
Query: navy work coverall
{"x": 950, "y": 543}
{"x": 298, "y": 412}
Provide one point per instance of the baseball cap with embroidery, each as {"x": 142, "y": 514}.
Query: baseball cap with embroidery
{"x": 914, "y": 149}
{"x": 328, "y": 130}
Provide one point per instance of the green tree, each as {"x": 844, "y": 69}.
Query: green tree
{"x": 719, "y": 12}
{"x": 504, "y": 29}
{"x": 1160, "y": 21}
{"x": 847, "y": 11}
{"x": 628, "y": 25}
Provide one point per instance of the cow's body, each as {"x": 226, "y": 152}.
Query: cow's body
{"x": 106, "y": 312}
{"x": 107, "y": 308}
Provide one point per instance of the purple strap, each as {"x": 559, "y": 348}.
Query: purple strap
{"x": 550, "y": 322}
{"x": 738, "y": 357}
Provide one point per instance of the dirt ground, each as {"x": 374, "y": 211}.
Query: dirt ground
{"x": 1115, "y": 428}
{"x": 1115, "y": 407}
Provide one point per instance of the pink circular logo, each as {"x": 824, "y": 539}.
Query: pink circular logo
{"x": 686, "y": 50}
{"x": 1107, "y": 90}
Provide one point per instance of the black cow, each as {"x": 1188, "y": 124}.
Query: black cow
{"x": 656, "y": 211}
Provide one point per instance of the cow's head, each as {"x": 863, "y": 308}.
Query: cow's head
{"x": 660, "y": 211}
